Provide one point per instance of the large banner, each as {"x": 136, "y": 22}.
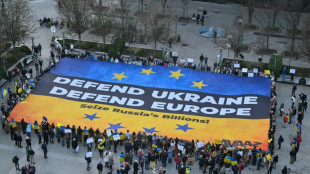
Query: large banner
{"x": 173, "y": 101}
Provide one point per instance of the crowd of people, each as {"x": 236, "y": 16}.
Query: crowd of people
{"x": 143, "y": 152}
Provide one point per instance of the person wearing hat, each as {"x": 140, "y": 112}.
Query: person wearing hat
{"x": 127, "y": 167}
{"x": 28, "y": 129}
{"x": 121, "y": 159}
{"x": 135, "y": 167}
{"x": 188, "y": 169}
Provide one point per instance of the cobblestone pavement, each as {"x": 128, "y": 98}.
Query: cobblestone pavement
{"x": 62, "y": 160}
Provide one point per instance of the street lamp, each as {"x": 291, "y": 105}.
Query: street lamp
{"x": 220, "y": 63}
{"x": 229, "y": 37}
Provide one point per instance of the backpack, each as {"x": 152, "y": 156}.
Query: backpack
{"x": 24, "y": 171}
{"x": 14, "y": 160}
{"x": 281, "y": 139}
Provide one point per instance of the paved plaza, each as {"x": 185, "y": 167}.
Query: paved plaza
{"x": 62, "y": 160}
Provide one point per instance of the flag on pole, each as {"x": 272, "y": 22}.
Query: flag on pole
{"x": 3, "y": 92}
{"x": 44, "y": 118}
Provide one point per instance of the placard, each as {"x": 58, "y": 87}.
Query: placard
{"x": 180, "y": 147}
{"x": 250, "y": 74}
{"x": 236, "y": 65}
{"x": 244, "y": 70}
{"x": 267, "y": 72}
{"x": 255, "y": 70}
{"x": 218, "y": 141}
{"x": 292, "y": 71}
{"x": 90, "y": 140}
{"x": 99, "y": 140}
{"x": 116, "y": 137}
{"x": 109, "y": 133}
{"x": 190, "y": 60}
{"x": 53, "y": 29}
{"x": 200, "y": 144}
{"x": 89, "y": 154}
{"x": 174, "y": 54}
{"x": 68, "y": 131}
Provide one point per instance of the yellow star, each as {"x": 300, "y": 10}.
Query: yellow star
{"x": 119, "y": 76}
{"x": 176, "y": 74}
{"x": 199, "y": 84}
{"x": 147, "y": 71}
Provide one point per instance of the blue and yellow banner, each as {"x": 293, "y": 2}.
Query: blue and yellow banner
{"x": 171, "y": 101}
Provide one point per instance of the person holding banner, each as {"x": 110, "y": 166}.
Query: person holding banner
{"x": 88, "y": 160}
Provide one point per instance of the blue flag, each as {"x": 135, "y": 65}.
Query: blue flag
{"x": 44, "y": 118}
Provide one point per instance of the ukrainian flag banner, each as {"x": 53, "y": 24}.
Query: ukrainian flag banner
{"x": 173, "y": 101}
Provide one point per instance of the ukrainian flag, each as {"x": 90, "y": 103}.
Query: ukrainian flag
{"x": 122, "y": 136}
{"x": 3, "y": 92}
{"x": 101, "y": 146}
{"x": 259, "y": 152}
{"x": 15, "y": 85}
{"x": 60, "y": 126}
{"x": 227, "y": 159}
{"x": 13, "y": 123}
{"x": 234, "y": 161}
{"x": 35, "y": 126}
{"x": 19, "y": 90}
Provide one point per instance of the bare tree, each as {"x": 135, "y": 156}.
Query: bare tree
{"x": 17, "y": 20}
{"x": 265, "y": 20}
{"x": 235, "y": 34}
{"x": 251, "y": 8}
{"x": 184, "y": 8}
{"x": 77, "y": 14}
{"x": 305, "y": 44}
{"x": 163, "y": 3}
{"x": 291, "y": 18}
{"x": 158, "y": 25}
{"x": 102, "y": 25}
{"x": 275, "y": 8}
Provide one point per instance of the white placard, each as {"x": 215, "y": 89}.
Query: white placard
{"x": 99, "y": 140}
{"x": 255, "y": 70}
{"x": 174, "y": 54}
{"x": 109, "y": 133}
{"x": 180, "y": 147}
{"x": 244, "y": 70}
{"x": 116, "y": 137}
{"x": 292, "y": 71}
{"x": 190, "y": 60}
{"x": 89, "y": 154}
{"x": 200, "y": 144}
{"x": 68, "y": 131}
{"x": 236, "y": 65}
{"x": 53, "y": 29}
{"x": 250, "y": 74}
{"x": 90, "y": 140}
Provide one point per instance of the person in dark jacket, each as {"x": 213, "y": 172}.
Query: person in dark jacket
{"x": 164, "y": 158}
{"x": 127, "y": 168}
{"x": 68, "y": 141}
{"x": 15, "y": 161}
{"x": 88, "y": 160}
{"x": 74, "y": 145}
{"x": 100, "y": 167}
{"x": 135, "y": 167}
{"x": 275, "y": 161}
{"x": 24, "y": 125}
{"x": 284, "y": 170}
{"x": 44, "y": 148}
